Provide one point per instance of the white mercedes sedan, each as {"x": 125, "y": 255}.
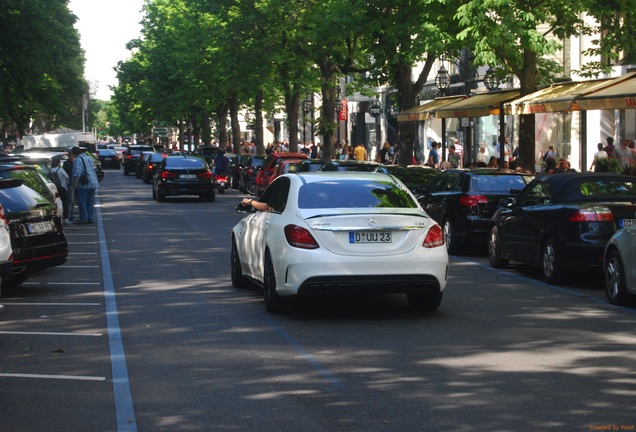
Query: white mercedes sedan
{"x": 339, "y": 233}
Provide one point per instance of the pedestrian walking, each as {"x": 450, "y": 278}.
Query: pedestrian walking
{"x": 86, "y": 184}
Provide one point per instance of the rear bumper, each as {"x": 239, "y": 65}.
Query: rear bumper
{"x": 186, "y": 189}
{"x": 37, "y": 259}
{"x": 473, "y": 229}
{"x": 357, "y": 285}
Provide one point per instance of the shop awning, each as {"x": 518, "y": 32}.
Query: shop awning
{"x": 479, "y": 105}
{"x": 618, "y": 93}
{"x": 559, "y": 97}
{"x": 423, "y": 112}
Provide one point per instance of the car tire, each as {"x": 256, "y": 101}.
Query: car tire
{"x": 615, "y": 284}
{"x": 274, "y": 303}
{"x": 424, "y": 301}
{"x": 209, "y": 197}
{"x": 14, "y": 280}
{"x": 126, "y": 172}
{"x": 450, "y": 238}
{"x": 238, "y": 281}
{"x": 494, "y": 250}
{"x": 251, "y": 187}
{"x": 552, "y": 273}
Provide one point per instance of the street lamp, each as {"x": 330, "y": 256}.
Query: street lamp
{"x": 492, "y": 82}
{"x": 490, "y": 79}
{"x": 307, "y": 106}
{"x": 442, "y": 81}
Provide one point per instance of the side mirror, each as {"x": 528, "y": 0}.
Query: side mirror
{"x": 506, "y": 202}
{"x": 242, "y": 208}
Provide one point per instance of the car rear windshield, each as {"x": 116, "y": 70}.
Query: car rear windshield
{"x": 353, "y": 194}
{"x": 497, "y": 183}
{"x": 608, "y": 189}
{"x": 21, "y": 199}
{"x": 180, "y": 162}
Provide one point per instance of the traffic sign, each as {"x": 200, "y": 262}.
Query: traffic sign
{"x": 375, "y": 110}
{"x": 160, "y": 131}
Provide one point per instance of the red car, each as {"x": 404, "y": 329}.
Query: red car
{"x": 268, "y": 171}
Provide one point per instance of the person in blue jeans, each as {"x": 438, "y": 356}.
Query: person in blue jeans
{"x": 84, "y": 193}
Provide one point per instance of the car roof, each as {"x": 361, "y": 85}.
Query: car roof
{"x": 566, "y": 186}
{"x": 352, "y": 162}
{"x": 318, "y": 176}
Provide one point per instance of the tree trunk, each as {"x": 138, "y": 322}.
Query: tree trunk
{"x": 221, "y": 113}
{"x": 528, "y": 78}
{"x": 259, "y": 134}
{"x": 236, "y": 126}
{"x": 292, "y": 105}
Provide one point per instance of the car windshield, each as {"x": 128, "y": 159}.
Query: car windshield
{"x": 156, "y": 157}
{"x": 497, "y": 183}
{"x": 179, "y": 162}
{"x": 353, "y": 194}
{"x": 415, "y": 175}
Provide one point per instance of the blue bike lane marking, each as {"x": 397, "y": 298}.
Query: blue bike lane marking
{"x": 124, "y": 409}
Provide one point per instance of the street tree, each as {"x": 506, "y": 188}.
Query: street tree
{"x": 41, "y": 65}
{"x": 522, "y": 37}
{"x": 405, "y": 33}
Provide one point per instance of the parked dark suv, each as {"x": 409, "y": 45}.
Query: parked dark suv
{"x": 35, "y": 227}
{"x": 463, "y": 201}
{"x": 131, "y": 157}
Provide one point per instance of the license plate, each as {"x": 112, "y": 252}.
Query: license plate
{"x": 628, "y": 223}
{"x": 39, "y": 227}
{"x": 188, "y": 176}
{"x": 370, "y": 237}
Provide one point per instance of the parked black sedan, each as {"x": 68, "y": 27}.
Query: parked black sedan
{"x": 35, "y": 227}
{"x": 561, "y": 222}
{"x": 463, "y": 201}
{"x": 183, "y": 175}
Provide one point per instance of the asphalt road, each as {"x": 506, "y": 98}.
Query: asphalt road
{"x": 141, "y": 330}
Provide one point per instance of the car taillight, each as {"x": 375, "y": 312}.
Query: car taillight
{"x": 250, "y": 170}
{"x": 128, "y": 157}
{"x": 167, "y": 175}
{"x": 299, "y": 237}
{"x": 150, "y": 166}
{"x": 472, "y": 200}
{"x": 434, "y": 237}
{"x": 592, "y": 214}
{"x": 4, "y": 222}
{"x": 205, "y": 175}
